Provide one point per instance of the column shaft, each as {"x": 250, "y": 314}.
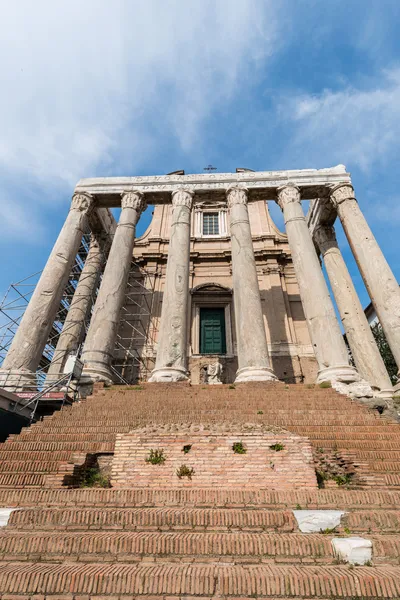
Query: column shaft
{"x": 100, "y": 341}
{"x": 326, "y": 337}
{"x": 253, "y": 359}
{"x": 171, "y": 361}
{"x": 378, "y": 277}
{"x": 73, "y": 329}
{"x": 28, "y": 344}
{"x": 365, "y": 352}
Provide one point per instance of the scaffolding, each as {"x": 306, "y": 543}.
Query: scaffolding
{"x": 16, "y": 299}
{"x": 134, "y": 349}
{"x": 135, "y": 344}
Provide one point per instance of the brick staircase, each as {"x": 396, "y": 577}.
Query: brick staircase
{"x": 185, "y": 540}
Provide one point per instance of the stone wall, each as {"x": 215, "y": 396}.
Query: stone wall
{"x": 273, "y": 458}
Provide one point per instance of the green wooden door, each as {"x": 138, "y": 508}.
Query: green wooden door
{"x": 212, "y": 331}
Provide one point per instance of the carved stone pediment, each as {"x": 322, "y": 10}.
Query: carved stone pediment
{"x": 211, "y": 288}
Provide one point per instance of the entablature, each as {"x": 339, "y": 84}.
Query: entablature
{"x": 313, "y": 183}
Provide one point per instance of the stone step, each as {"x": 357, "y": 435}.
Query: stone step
{"x": 341, "y": 499}
{"x": 45, "y": 546}
{"x": 70, "y": 579}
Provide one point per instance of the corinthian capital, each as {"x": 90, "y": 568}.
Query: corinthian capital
{"x": 183, "y": 197}
{"x": 236, "y": 195}
{"x": 325, "y": 237}
{"x": 342, "y": 192}
{"x": 133, "y": 199}
{"x": 287, "y": 194}
{"x": 81, "y": 201}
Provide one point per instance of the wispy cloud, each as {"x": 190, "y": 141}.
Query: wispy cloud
{"x": 96, "y": 85}
{"x": 360, "y": 126}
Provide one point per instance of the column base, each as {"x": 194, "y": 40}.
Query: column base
{"x": 248, "y": 374}
{"x": 344, "y": 374}
{"x": 18, "y": 380}
{"x": 168, "y": 375}
{"x": 94, "y": 373}
{"x": 385, "y": 394}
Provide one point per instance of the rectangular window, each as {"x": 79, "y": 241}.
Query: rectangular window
{"x": 210, "y": 223}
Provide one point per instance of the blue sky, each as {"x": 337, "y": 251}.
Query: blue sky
{"x": 101, "y": 88}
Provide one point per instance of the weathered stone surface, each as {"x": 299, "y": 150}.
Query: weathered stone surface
{"x": 100, "y": 340}
{"x": 27, "y": 346}
{"x": 365, "y": 352}
{"x": 355, "y": 550}
{"x": 73, "y": 329}
{"x": 326, "y": 337}
{"x": 311, "y": 521}
{"x": 171, "y": 361}
{"x": 378, "y": 277}
{"x": 5, "y": 515}
{"x": 253, "y": 359}
{"x": 158, "y": 187}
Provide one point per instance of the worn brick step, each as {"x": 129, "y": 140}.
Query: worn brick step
{"x": 74, "y": 446}
{"x": 22, "y": 479}
{"x": 135, "y": 546}
{"x": 384, "y": 466}
{"x": 334, "y": 436}
{"x": 177, "y": 580}
{"x": 152, "y": 519}
{"x": 392, "y": 479}
{"x": 202, "y": 519}
{"x": 146, "y": 497}
{"x": 321, "y": 425}
{"x": 22, "y": 455}
{"x": 38, "y": 466}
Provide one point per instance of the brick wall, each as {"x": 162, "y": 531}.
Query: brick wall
{"x": 212, "y": 458}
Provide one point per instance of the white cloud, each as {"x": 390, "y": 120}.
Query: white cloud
{"x": 351, "y": 126}
{"x": 94, "y": 84}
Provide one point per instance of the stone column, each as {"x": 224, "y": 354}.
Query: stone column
{"x": 378, "y": 277}
{"x": 30, "y": 339}
{"x": 365, "y": 352}
{"x": 72, "y": 332}
{"x": 326, "y": 337}
{"x": 253, "y": 359}
{"x": 100, "y": 341}
{"x": 171, "y": 361}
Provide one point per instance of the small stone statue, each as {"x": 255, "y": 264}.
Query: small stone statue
{"x": 214, "y": 373}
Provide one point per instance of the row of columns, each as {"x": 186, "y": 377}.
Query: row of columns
{"x": 253, "y": 360}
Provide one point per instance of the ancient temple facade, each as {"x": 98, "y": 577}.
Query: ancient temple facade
{"x": 213, "y": 286}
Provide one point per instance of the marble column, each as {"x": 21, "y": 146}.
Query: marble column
{"x": 365, "y": 352}
{"x": 326, "y": 337}
{"x": 253, "y": 359}
{"x": 73, "y": 330}
{"x": 378, "y": 277}
{"x": 100, "y": 340}
{"x": 28, "y": 344}
{"x": 171, "y": 361}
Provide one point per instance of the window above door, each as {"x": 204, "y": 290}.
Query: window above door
{"x": 210, "y": 223}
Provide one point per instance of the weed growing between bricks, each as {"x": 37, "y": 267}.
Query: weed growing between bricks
{"x": 94, "y": 479}
{"x": 331, "y": 466}
{"x": 185, "y": 471}
{"x": 187, "y": 448}
{"x": 238, "y": 448}
{"x": 156, "y": 457}
{"x": 278, "y": 447}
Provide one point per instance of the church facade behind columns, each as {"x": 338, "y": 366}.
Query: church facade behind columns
{"x": 227, "y": 286}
